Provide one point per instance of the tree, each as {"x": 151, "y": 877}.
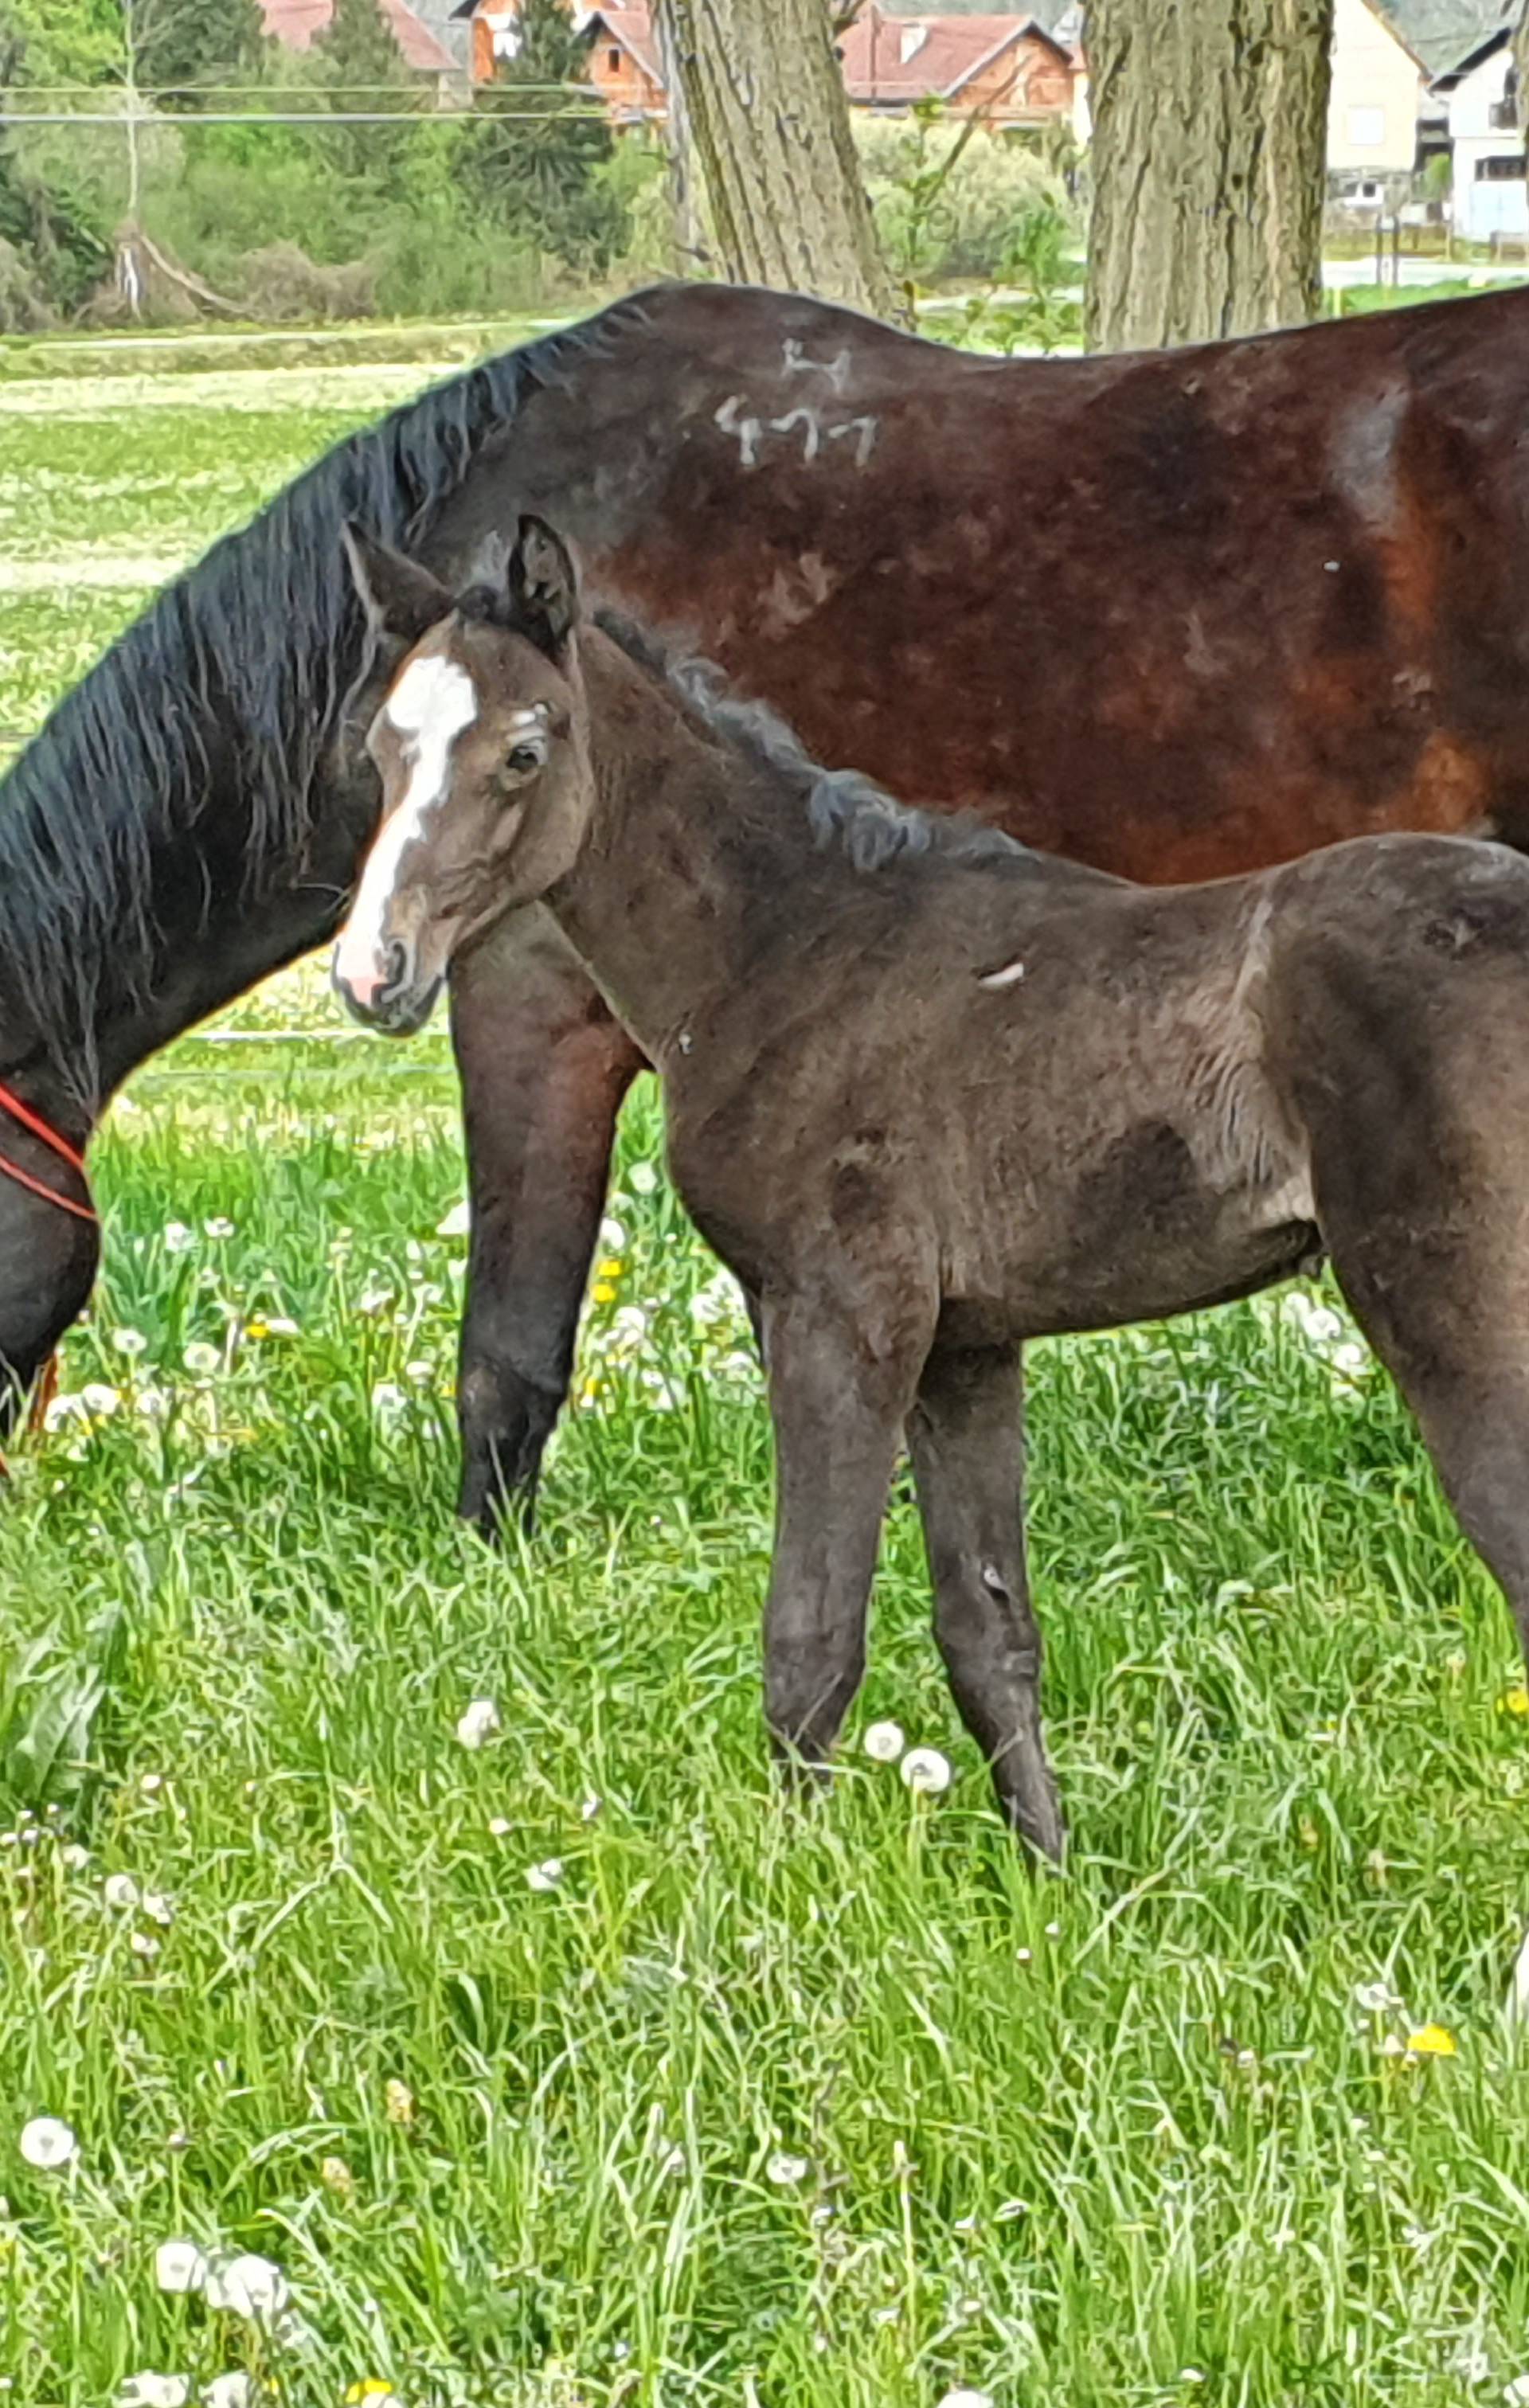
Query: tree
{"x": 1209, "y": 149}
{"x": 183, "y": 45}
{"x": 768, "y": 126}
{"x": 538, "y": 143}
{"x": 358, "y": 57}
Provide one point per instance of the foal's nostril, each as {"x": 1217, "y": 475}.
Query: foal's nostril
{"x": 396, "y": 970}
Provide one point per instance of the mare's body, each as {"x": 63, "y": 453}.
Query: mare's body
{"x": 931, "y": 1095}
{"x": 1202, "y": 611}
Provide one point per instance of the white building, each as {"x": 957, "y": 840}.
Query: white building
{"x": 1486, "y": 141}
{"x": 1372, "y": 110}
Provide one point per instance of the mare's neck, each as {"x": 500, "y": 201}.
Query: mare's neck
{"x": 681, "y": 883}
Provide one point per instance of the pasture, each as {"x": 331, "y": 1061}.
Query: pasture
{"x": 575, "y": 2066}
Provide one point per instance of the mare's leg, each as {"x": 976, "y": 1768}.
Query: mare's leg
{"x": 838, "y": 1397}
{"x": 544, "y": 1069}
{"x": 966, "y": 1432}
{"x": 48, "y": 1261}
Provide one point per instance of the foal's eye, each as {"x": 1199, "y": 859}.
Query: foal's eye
{"x": 522, "y": 758}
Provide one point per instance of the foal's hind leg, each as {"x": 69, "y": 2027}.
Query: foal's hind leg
{"x": 966, "y": 1432}
{"x": 48, "y": 1261}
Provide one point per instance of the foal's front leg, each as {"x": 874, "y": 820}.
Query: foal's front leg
{"x": 966, "y": 1433}
{"x": 838, "y": 1397}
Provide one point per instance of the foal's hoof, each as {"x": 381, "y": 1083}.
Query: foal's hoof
{"x": 1039, "y": 1829}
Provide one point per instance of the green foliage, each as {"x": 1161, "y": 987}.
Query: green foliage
{"x": 952, "y": 200}
{"x": 537, "y": 147}
{"x": 181, "y": 46}
{"x": 77, "y": 43}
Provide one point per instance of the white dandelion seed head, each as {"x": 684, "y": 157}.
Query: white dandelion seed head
{"x": 159, "y": 1908}
{"x": 228, "y": 2391}
{"x": 153, "y": 1403}
{"x": 1517, "y": 2392}
{"x": 964, "y": 2398}
{"x": 120, "y": 1893}
{"x": 248, "y": 2287}
{"x": 546, "y": 1875}
{"x": 458, "y": 1222}
{"x": 926, "y": 1772}
{"x": 98, "y": 1399}
{"x": 499, "y": 1827}
{"x": 143, "y": 1943}
{"x": 279, "y": 1325}
{"x": 612, "y": 1236}
{"x": 785, "y": 2170}
{"x": 47, "y": 2141}
{"x": 642, "y": 1178}
{"x": 1376, "y": 1997}
{"x": 154, "y": 2391}
{"x": 590, "y": 1808}
{"x": 179, "y": 1239}
{"x": 201, "y": 1358}
{"x": 884, "y": 1743}
{"x": 478, "y": 1722}
{"x": 179, "y": 2266}
{"x": 128, "y": 1341}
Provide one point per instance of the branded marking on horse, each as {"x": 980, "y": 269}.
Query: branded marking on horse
{"x": 736, "y": 418}
{"x": 431, "y": 705}
{"x": 795, "y": 362}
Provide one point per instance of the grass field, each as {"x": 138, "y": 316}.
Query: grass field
{"x": 575, "y": 2066}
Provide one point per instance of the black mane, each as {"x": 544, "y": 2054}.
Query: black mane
{"x": 251, "y": 651}
{"x": 843, "y": 805}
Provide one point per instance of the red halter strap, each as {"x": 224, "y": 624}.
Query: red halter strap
{"x": 56, "y": 1144}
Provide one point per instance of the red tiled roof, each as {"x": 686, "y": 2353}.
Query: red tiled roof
{"x": 296, "y": 24}
{"x": 634, "y": 29}
{"x": 926, "y": 58}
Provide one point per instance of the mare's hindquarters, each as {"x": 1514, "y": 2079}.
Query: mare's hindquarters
{"x": 1403, "y": 1045}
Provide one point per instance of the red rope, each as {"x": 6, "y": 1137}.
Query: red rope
{"x": 47, "y": 1383}
{"x": 61, "y": 1146}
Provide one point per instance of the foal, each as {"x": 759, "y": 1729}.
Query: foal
{"x": 931, "y": 1095}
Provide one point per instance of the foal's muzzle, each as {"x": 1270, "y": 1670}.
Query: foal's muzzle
{"x": 393, "y": 1000}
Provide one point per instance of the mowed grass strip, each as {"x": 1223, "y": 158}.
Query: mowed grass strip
{"x": 579, "y": 2066}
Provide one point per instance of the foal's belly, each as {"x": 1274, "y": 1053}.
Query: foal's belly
{"x": 1139, "y": 1229}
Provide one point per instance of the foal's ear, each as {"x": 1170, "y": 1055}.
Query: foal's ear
{"x": 543, "y": 585}
{"x": 402, "y": 600}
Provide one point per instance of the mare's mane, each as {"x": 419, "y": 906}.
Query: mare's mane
{"x": 244, "y": 662}
{"x": 845, "y": 809}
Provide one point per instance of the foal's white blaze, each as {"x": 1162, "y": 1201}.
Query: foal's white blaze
{"x": 430, "y": 706}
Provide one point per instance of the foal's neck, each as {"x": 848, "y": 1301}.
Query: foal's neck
{"x": 678, "y": 889}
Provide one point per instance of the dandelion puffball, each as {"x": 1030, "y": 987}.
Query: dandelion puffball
{"x": 963, "y": 2398}
{"x": 46, "y": 2143}
{"x": 546, "y": 1875}
{"x": 179, "y": 2266}
{"x": 479, "y": 1722}
{"x": 154, "y": 2391}
{"x": 120, "y": 1892}
{"x": 926, "y": 1771}
{"x": 784, "y": 2169}
{"x": 884, "y": 1743}
{"x": 247, "y": 2286}
{"x": 228, "y": 2391}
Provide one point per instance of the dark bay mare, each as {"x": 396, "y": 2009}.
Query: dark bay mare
{"x": 1174, "y": 615}
{"x": 930, "y": 1094}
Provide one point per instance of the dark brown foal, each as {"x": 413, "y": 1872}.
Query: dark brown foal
{"x": 930, "y": 1095}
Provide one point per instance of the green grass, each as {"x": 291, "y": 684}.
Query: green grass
{"x": 1125, "y": 2137}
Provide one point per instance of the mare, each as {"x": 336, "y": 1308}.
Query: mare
{"x": 1173, "y": 614}
{"x": 931, "y": 1094}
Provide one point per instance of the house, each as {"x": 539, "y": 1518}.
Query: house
{"x": 1009, "y": 70}
{"x": 1486, "y": 140}
{"x": 625, "y": 66}
{"x": 1372, "y": 114}
{"x": 296, "y": 24}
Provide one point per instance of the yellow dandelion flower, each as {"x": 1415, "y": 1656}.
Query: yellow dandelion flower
{"x": 589, "y": 1393}
{"x": 1433, "y": 2041}
{"x": 603, "y": 1292}
{"x": 1514, "y": 1701}
{"x": 371, "y": 2386}
{"x": 610, "y": 1268}
{"x": 257, "y": 1328}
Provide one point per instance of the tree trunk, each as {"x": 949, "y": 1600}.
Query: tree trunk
{"x": 1209, "y": 167}
{"x": 769, "y": 130}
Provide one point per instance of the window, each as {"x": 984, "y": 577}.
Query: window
{"x": 1506, "y": 168}
{"x": 614, "y": 60}
{"x": 1366, "y": 128}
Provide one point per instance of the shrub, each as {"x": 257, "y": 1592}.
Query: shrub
{"x": 951, "y": 202}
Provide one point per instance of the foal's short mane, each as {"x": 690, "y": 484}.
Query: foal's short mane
{"x": 244, "y": 661}
{"x": 844, "y": 807}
